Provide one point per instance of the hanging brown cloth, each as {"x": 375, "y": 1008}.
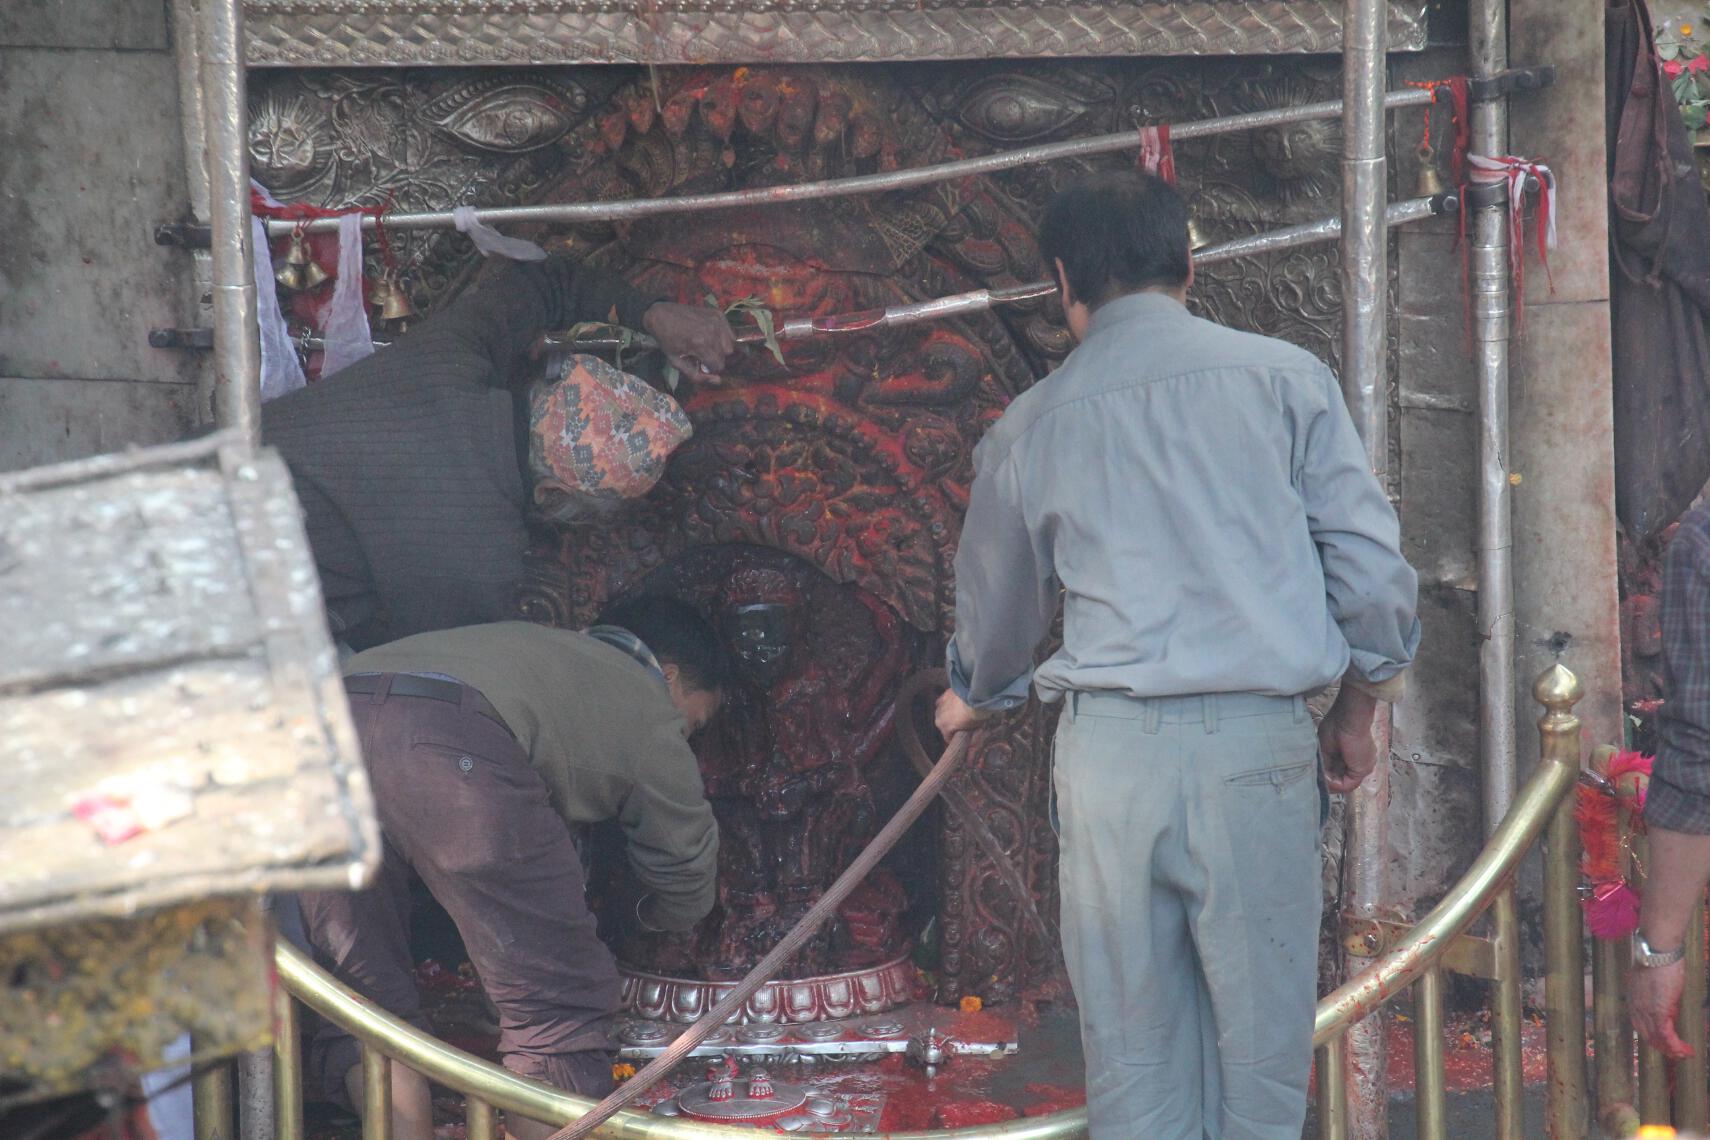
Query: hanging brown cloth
{"x": 1659, "y": 235}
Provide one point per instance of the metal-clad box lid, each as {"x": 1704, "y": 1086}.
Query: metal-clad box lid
{"x": 172, "y": 724}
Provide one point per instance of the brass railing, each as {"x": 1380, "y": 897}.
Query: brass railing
{"x": 1422, "y": 955}
{"x": 1418, "y": 957}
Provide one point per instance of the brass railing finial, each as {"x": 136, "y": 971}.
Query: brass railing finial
{"x": 1558, "y": 690}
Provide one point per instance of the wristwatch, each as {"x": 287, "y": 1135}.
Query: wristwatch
{"x": 1643, "y": 955}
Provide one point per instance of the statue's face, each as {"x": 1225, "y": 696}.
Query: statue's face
{"x": 762, "y": 638}
{"x": 1295, "y": 150}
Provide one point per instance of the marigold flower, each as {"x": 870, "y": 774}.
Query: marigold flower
{"x": 1685, "y": 31}
{"x": 972, "y": 1004}
{"x": 622, "y": 1071}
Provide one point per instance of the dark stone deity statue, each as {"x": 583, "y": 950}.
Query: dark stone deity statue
{"x": 789, "y": 764}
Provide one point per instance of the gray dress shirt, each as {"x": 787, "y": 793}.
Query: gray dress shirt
{"x": 1201, "y": 503}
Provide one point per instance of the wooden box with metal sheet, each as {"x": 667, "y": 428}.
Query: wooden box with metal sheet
{"x": 176, "y": 743}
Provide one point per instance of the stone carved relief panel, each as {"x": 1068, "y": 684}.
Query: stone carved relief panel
{"x": 854, "y": 454}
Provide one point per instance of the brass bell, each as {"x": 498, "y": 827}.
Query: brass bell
{"x": 313, "y": 275}
{"x": 1430, "y": 183}
{"x": 1196, "y": 238}
{"x": 309, "y": 272}
{"x": 289, "y": 276}
{"x": 295, "y": 272}
{"x": 394, "y": 301}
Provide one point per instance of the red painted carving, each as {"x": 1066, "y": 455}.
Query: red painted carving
{"x": 820, "y": 501}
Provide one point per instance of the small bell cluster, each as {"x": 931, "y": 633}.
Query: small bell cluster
{"x": 301, "y": 273}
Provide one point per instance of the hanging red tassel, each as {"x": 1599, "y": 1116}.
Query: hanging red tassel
{"x": 1612, "y": 911}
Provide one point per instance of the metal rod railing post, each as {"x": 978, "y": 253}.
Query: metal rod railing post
{"x": 287, "y": 1069}
{"x": 1566, "y": 1110}
{"x": 237, "y": 343}
{"x": 1691, "y": 1112}
{"x": 1653, "y": 1086}
{"x": 1507, "y": 1018}
{"x": 479, "y": 1119}
{"x": 1612, "y": 1033}
{"x": 1365, "y": 357}
{"x": 376, "y": 1093}
{"x": 1430, "y": 1080}
{"x": 211, "y": 1100}
{"x": 1332, "y": 1092}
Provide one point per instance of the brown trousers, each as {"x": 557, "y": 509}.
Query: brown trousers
{"x": 461, "y": 807}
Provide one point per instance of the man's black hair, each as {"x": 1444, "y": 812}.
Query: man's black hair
{"x": 678, "y": 634}
{"x": 1117, "y": 233}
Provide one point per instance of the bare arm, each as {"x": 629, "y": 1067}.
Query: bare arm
{"x": 1677, "y": 805}
{"x": 1674, "y": 882}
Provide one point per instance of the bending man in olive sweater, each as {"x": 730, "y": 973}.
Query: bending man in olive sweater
{"x": 488, "y": 747}
{"x": 412, "y": 464}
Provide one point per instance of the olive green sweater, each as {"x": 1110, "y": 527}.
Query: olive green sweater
{"x": 600, "y": 728}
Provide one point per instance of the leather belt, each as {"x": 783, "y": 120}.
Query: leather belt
{"x": 412, "y": 685}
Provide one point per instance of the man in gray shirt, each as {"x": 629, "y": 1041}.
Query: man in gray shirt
{"x": 1199, "y": 500}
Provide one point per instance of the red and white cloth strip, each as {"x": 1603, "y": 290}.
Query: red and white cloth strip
{"x": 1484, "y": 169}
{"x": 1156, "y": 157}
{"x": 344, "y": 321}
{"x": 280, "y": 371}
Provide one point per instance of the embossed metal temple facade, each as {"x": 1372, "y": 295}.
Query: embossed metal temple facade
{"x": 416, "y": 33}
{"x": 842, "y": 473}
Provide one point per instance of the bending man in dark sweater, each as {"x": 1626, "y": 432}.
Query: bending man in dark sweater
{"x": 488, "y": 747}
{"x": 412, "y": 464}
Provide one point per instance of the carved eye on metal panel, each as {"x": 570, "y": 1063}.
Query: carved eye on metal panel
{"x": 1016, "y": 108}
{"x": 510, "y": 120}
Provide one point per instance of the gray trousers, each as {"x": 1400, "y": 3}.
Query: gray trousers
{"x": 1190, "y": 884}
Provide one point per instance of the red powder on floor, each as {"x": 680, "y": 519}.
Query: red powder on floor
{"x": 965, "y": 1113}
{"x": 1053, "y": 1098}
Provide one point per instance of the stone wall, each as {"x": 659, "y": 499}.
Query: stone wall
{"x": 93, "y": 158}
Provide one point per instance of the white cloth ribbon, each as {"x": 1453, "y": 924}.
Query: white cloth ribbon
{"x": 280, "y": 371}
{"x": 347, "y": 336}
{"x": 490, "y": 241}
{"x": 1515, "y": 171}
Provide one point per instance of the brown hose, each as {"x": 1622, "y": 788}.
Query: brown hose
{"x": 626, "y": 1093}
{"x": 977, "y": 827}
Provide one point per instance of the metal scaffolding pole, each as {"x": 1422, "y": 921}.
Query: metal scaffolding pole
{"x": 1365, "y": 354}
{"x": 217, "y": 109}
{"x": 631, "y": 209}
{"x": 954, "y": 305}
{"x": 1487, "y": 37}
{"x": 237, "y": 346}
